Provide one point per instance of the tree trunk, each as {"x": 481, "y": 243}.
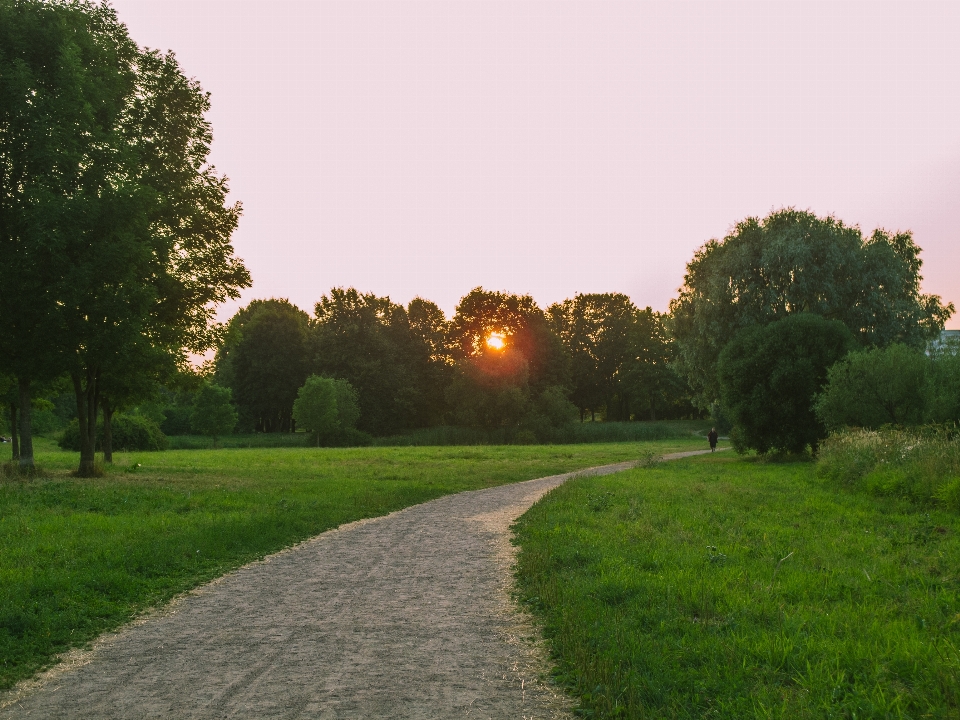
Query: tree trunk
{"x": 26, "y": 432}
{"x": 87, "y": 403}
{"x": 108, "y": 410}
{"x": 14, "y": 436}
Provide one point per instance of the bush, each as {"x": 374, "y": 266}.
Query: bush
{"x": 769, "y": 376}
{"x": 877, "y": 387}
{"x": 130, "y": 432}
{"x": 922, "y": 463}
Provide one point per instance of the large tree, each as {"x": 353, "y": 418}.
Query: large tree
{"x": 114, "y": 229}
{"x": 265, "y": 360}
{"x": 792, "y": 262}
{"x": 394, "y": 361}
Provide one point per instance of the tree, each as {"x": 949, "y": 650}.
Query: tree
{"x": 265, "y": 361}
{"x": 394, "y": 365}
{"x": 491, "y": 389}
{"x": 525, "y": 330}
{"x": 793, "y": 262}
{"x": 315, "y": 408}
{"x": 597, "y": 331}
{"x": 769, "y": 376}
{"x": 348, "y": 405}
{"x": 621, "y": 357}
{"x": 119, "y": 241}
{"x": 213, "y": 412}
{"x": 876, "y": 387}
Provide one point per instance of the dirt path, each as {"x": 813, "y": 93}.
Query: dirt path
{"x": 403, "y": 616}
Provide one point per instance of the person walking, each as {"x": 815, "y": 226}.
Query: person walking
{"x": 712, "y": 437}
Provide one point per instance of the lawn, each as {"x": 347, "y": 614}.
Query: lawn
{"x": 720, "y": 587}
{"x": 78, "y": 557}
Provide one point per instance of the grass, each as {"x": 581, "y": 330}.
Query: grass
{"x": 575, "y": 433}
{"x": 78, "y": 557}
{"x": 720, "y": 587}
{"x": 922, "y": 464}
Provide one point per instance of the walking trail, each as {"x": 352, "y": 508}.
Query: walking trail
{"x": 402, "y": 616}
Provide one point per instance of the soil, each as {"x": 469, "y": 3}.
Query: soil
{"x": 403, "y": 616}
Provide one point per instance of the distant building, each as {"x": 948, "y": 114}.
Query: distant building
{"x": 949, "y": 341}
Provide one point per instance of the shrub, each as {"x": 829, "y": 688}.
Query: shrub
{"x": 769, "y": 376}
{"x": 130, "y": 432}
{"x": 921, "y": 463}
{"x": 876, "y": 387}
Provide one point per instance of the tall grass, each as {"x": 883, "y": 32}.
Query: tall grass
{"x": 920, "y": 463}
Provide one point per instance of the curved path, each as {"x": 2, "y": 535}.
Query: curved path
{"x": 402, "y": 616}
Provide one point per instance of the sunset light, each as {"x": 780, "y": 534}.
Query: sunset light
{"x": 495, "y": 341}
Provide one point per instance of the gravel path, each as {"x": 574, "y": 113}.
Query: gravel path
{"x": 402, "y": 616}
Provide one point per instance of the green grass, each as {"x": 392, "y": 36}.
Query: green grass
{"x": 922, "y": 464}
{"x": 78, "y": 557}
{"x": 718, "y": 587}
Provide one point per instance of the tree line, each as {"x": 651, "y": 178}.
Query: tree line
{"x": 411, "y": 367}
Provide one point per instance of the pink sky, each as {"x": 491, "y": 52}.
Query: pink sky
{"x": 424, "y": 148}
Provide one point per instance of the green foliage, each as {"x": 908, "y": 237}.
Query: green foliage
{"x": 794, "y": 262}
{"x": 620, "y": 357}
{"x": 922, "y": 464}
{"x": 315, "y": 408}
{"x": 265, "y": 360}
{"x": 113, "y": 228}
{"x": 491, "y": 389}
{"x": 526, "y": 330}
{"x": 391, "y": 356}
{"x": 769, "y": 376}
{"x": 213, "y": 412}
{"x": 130, "y": 432}
{"x": 943, "y": 387}
{"x": 80, "y": 558}
{"x": 724, "y": 588}
{"x": 876, "y": 387}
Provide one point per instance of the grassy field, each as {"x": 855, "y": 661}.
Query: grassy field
{"x": 78, "y": 557}
{"x": 718, "y": 587}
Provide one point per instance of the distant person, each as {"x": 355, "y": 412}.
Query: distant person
{"x": 712, "y": 437}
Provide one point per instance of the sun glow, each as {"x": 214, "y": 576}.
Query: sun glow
{"x": 495, "y": 341}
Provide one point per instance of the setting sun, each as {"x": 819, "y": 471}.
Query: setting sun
{"x": 495, "y": 341}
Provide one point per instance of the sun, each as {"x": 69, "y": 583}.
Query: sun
{"x": 495, "y": 341}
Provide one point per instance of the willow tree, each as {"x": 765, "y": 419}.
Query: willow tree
{"x": 117, "y": 228}
{"x": 794, "y": 262}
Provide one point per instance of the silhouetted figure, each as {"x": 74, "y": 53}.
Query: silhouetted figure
{"x": 712, "y": 437}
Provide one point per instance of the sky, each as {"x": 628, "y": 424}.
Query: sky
{"x": 413, "y": 148}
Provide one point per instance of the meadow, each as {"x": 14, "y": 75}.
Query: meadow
{"x": 727, "y": 587}
{"x": 82, "y": 556}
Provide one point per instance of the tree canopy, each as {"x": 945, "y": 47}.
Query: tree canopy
{"x": 795, "y": 262}
{"x": 265, "y": 360}
{"x": 114, "y": 230}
